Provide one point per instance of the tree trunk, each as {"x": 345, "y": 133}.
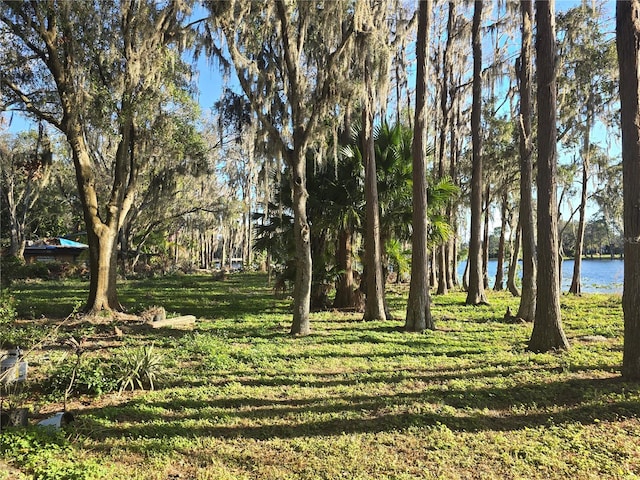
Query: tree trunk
{"x": 547, "y": 331}
{"x": 444, "y": 273}
{"x": 345, "y": 290}
{"x": 513, "y": 265}
{"x": 441, "y": 257}
{"x": 453, "y": 259}
{"x": 18, "y": 241}
{"x": 628, "y": 43}
{"x": 476, "y": 294}
{"x": 102, "y": 236}
{"x": 452, "y": 212}
{"x": 465, "y": 276}
{"x": 499, "y": 283}
{"x": 302, "y": 235}
{"x": 485, "y": 238}
{"x": 102, "y": 270}
{"x": 418, "y": 316}
{"x": 374, "y": 306}
{"x": 527, "y": 307}
{"x": 576, "y": 281}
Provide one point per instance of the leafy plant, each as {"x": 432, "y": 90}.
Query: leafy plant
{"x": 93, "y": 376}
{"x": 141, "y": 367}
{"x": 46, "y": 454}
{"x": 12, "y": 335}
{"x": 8, "y": 312}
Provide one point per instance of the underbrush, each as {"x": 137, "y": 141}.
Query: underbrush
{"x": 240, "y": 398}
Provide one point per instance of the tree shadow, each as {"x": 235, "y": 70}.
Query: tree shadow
{"x": 463, "y": 410}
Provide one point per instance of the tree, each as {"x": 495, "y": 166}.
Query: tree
{"x": 628, "y": 45}
{"x": 374, "y": 46}
{"x": 291, "y": 60}
{"x": 26, "y": 169}
{"x": 586, "y": 91}
{"x": 527, "y": 306}
{"x": 475, "y": 294}
{"x": 168, "y": 187}
{"x": 445, "y": 110}
{"x": 98, "y": 67}
{"x": 547, "y": 331}
{"x": 374, "y": 304}
{"x": 419, "y": 316}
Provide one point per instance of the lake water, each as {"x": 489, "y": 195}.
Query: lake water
{"x": 598, "y": 276}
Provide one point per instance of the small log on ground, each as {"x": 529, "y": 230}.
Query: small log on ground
{"x": 183, "y": 321}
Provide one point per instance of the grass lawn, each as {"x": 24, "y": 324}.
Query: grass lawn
{"x": 238, "y": 398}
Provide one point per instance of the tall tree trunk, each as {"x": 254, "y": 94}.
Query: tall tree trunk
{"x": 513, "y": 264}
{"x": 418, "y": 316}
{"x": 547, "y": 331}
{"x": 102, "y": 236}
{"x": 485, "y": 238}
{"x": 527, "y": 307}
{"x": 302, "y": 237}
{"x": 453, "y": 259}
{"x": 576, "y": 281}
{"x": 628, "y": 43}
{"x": 452, "y": 211}
{"x": 499, "y": 283}
{"x": 374, "y": 305}
{"x": 476, "y": 294}
{"x": 444, "y": 273}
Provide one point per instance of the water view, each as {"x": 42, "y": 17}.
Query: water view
{"x": 598, "y": 276}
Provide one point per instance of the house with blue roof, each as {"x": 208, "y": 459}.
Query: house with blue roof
{"x": 56, "y": 249}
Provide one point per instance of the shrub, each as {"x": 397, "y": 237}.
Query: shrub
{"x": 140, "y": 368}
{"x": 46, "y": 454}
{"x": 94, "y": 376}
{"x": 8, "y": 312}
{"x": 131, "y": 369}
{"x": 12, "y": 335}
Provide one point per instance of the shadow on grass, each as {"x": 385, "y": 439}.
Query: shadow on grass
{"x": 199, "y": 295}
{"x": 474, "y": 410}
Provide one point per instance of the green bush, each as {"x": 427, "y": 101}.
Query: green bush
{"x": 131, "y": 369}
{"x": 8, "y": 312}
{"x": 46, "y": 454}
{"x": 14, "y": 268}
{"x": 94, "y": 376}
{"x": 10, "y": 267}
{"x": 12, "y": 335}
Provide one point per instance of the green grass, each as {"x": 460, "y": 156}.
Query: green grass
{"x": 243, "y": 400}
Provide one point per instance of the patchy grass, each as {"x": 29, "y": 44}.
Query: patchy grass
{"x": 241, "y": 399}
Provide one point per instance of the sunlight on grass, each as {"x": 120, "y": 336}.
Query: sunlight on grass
{"x": 359, "y": 400}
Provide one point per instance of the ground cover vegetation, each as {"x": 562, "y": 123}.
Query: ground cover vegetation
{"x": 325, "y": 169}
{"x": 237, "y": 397}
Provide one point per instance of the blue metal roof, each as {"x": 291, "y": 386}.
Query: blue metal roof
{"x": 70, "y": 243}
